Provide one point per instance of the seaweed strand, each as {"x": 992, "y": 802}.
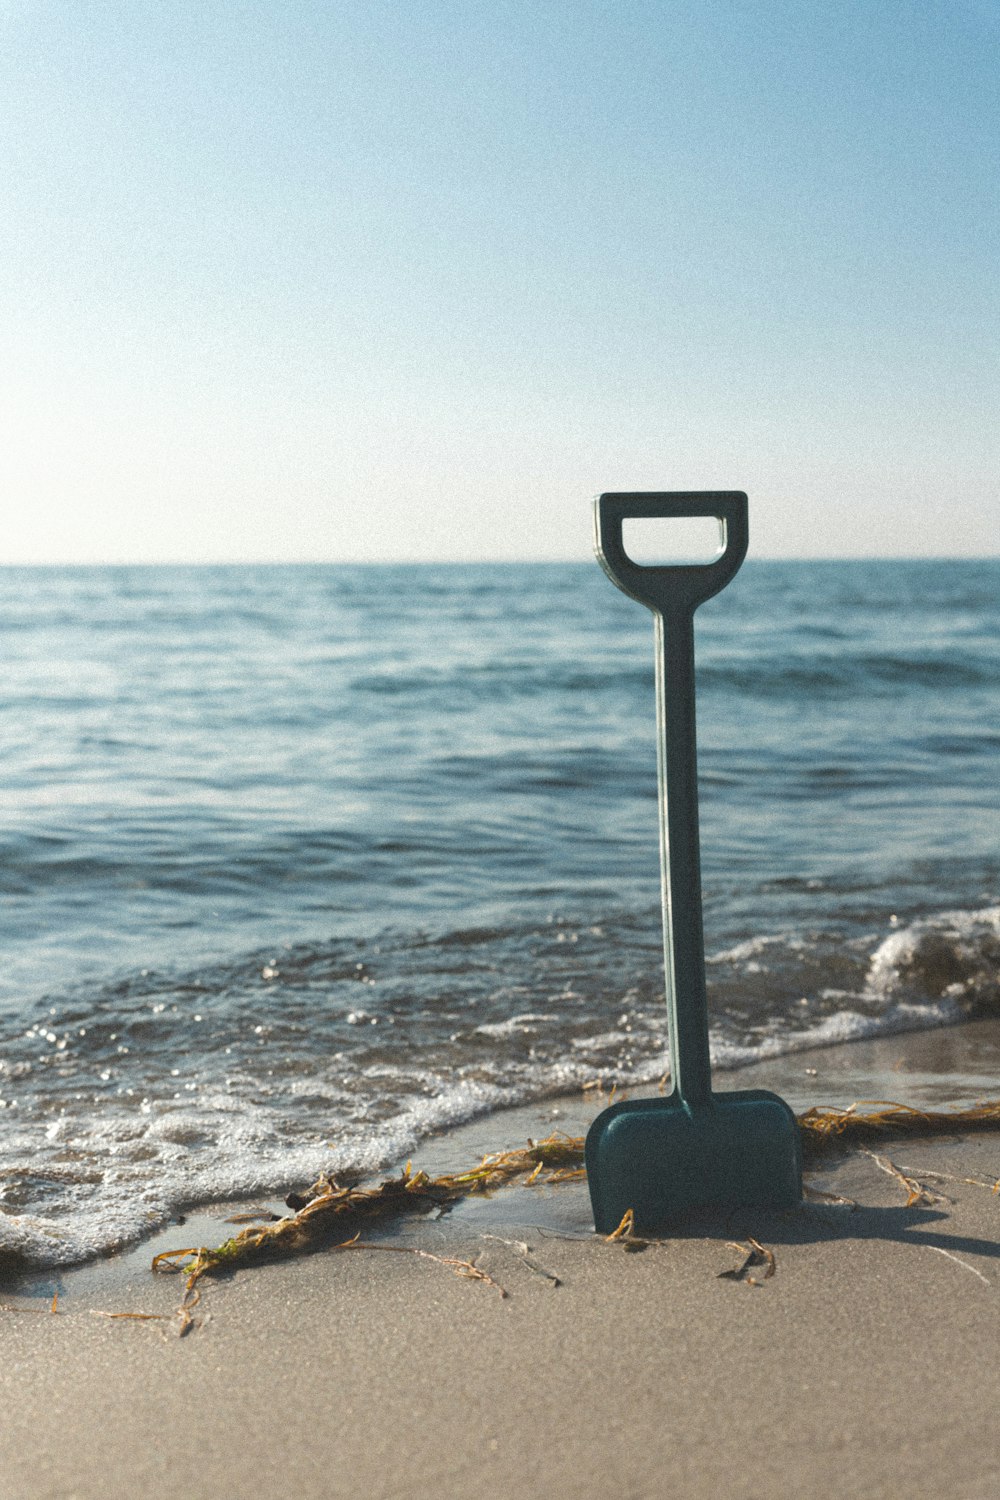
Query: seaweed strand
{"x": 335, "y": 1213}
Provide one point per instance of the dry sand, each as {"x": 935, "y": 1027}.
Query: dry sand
{"x": 866, "y": 1364}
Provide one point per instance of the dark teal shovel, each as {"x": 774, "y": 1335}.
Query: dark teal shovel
{"x": 695, "y": 1148}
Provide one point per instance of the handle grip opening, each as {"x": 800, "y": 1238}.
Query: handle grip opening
{"x": 657, "y": 541}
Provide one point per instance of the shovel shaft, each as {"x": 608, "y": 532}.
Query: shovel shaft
{"x": 680, "y": 859}
{"x": 673, "y": 593}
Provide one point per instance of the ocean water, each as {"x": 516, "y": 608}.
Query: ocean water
{"x": 300, "y": 864}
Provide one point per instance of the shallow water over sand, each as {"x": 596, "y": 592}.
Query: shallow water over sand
{"x": 301, "y": 865}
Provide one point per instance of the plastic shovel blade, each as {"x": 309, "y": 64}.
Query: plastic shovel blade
{"x": 663, "y": 1157}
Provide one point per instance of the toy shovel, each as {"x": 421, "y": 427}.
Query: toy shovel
{"x": 695, "y": 1148}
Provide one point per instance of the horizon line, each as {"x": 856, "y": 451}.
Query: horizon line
{"x": 460, "y": 562}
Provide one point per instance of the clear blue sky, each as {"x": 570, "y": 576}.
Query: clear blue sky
{"x": 325, "y": 279}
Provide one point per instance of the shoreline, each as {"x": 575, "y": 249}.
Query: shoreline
{"x": 940, "y": 1068}
{"x": 866, "y": 1363}
{"x": 864, "y": 1360}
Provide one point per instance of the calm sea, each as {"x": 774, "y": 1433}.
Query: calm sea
{"x": 301, "y": 863}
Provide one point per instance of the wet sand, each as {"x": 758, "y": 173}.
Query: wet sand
{"x": 866, "y": 1363}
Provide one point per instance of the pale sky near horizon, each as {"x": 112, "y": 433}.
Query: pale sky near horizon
{"x": 323, "y": 281}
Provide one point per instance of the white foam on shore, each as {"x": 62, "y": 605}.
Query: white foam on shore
{"x": 836, "y": 1030}
{"x": 954, "y": 953}
{"x": 90, "y": 1185}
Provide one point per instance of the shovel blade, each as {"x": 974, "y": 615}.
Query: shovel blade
{"x": 662, "y": 1158}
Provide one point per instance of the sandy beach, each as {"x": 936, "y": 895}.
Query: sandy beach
{"x": 866, "y": 1362}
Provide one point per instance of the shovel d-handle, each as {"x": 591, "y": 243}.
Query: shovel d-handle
{"x": 673, "y": 592}
{"x": 669, "y": 586}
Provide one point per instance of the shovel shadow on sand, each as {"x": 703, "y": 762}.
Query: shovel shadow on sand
{"x": 814, "y": 1224}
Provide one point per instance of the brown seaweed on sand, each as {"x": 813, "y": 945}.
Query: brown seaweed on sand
{"x": 334, "y": 1215}
{"x": 756, "y": 1257}
{"x": 880, "y": 1119}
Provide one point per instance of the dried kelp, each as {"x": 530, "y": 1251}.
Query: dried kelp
{"x": 13, "y": 1307}
{"x": 335, "y": 1214}
{"x": 625, "y": 1234}
{"x": 877, "y": 1119}
{"x": 180, "y": 1321}
{"x": 523, "y": 1252}
{"x": 466, "y": 1268}
{"x": 917, "y": 1195}
{"x": 812, "y": 1194}
{"x": 757, "y": 1257}
{"x": 991, "y": 1183}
